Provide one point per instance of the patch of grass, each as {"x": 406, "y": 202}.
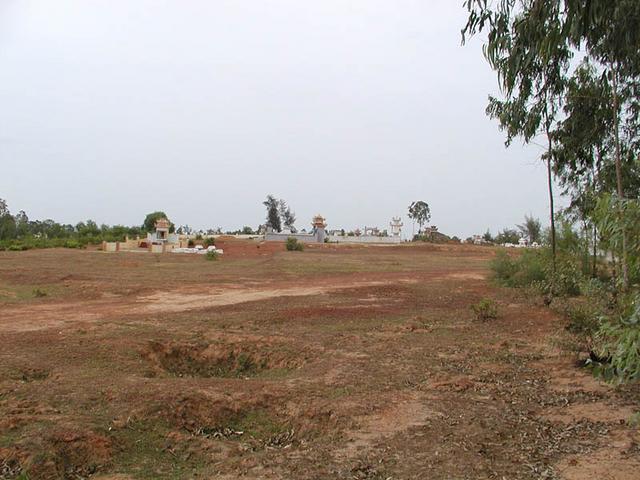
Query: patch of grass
{"x": 39, "y": 293}
{"x": 258, "y": 424}
{"x": 145, "y": 454}
{"x": 485, "y": 309}
{"x": 339, "y": 392}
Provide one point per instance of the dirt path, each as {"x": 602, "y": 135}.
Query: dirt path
{"x": 59, "y": 314}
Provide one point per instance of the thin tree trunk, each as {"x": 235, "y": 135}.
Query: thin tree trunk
{"x": 616, "y": 132}
{"x": 551, "y": 206}
{"x": 594, "y": 270}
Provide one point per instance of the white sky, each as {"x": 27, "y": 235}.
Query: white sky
{"x": 353, "y": 109}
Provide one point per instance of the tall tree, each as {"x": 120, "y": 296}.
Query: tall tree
{"x": 287, "y": 217}
{"x": 273, "y": 213}
{"x": 7, "y": 222}
{"x": 606, "y": 30}
{"x": 531, "y": 65}
{"x": 419, "y": 211}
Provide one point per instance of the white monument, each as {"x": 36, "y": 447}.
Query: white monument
{"x": 396, "y": 226}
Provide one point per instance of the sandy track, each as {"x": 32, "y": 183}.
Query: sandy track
{"x": 58, "y": 315}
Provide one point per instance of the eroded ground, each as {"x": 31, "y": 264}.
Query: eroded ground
{"x": 340, "y": 363}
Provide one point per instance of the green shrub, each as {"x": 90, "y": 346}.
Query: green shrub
{"x": 584, "y": 318}
{"x": 209, "y": 242}
{"x": 524, "y": 270}
{"x": 566, "y": 280}
{"x": 485, "y": 309}
{"x": 37, "y": 293}
{"x": 191, "y": 243}
{"x": 618, "y": 341}
{"x": 72, "y": 244}
{"x": 211, "y": 255}
{"x": 293, "y": 245}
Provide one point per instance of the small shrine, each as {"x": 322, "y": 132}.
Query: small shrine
{"x": 396, "y": 226}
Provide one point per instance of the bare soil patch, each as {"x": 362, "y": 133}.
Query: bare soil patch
{"x": 341, "y": 362}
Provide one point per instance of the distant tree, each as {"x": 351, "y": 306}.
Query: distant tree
{"x": 4, "y": 208}
{"x": 531, "y": 229}
{"x": 273, "y": 213}
{"x": 247, "y": 230}
{"x": 150, "y": 221}
{"x": 287, "y": 216}
{"x": 7, "y": 222}
{"x": 508, "y": 235}
{"x": 487, "y": 237}
{"x": 22, "y": 224}
{"x": 419, "y": 212}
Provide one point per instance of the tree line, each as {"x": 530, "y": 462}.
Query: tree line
{"x": 569, "y": 72}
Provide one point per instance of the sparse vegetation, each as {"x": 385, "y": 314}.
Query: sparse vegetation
{"x": 293, "y": 245}
{"x": 211, "y": 255}
{"x": 486, "y": 309}
{"x": 39, "y": 293}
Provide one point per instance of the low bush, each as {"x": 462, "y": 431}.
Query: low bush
{"x": 293, "y": 245}
{"x": 584, "y": 318}
{"x": 211, "y": 255}
{"x": 485, "y": 309}
{"x": 209, "y": 242}
{"x": 534, "y": 269}
{"x": 618, "y": 345}
{"x": 524, "y": 270}
{"x": 72, "y": 244}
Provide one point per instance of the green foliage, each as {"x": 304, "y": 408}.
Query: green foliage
{"x": 619, "y": 342}
{"x": 420, "y": 212}
{"x": 38, "y": 293}
{"x": 615, "y": 217}
{"x": 293, "y": 245}
{"x": 564, "y": 280}
{"x": 520, "y": 270}
{"x": 591, "y": 148}
{"x": 273, "y": 213}
{"x": 191, "y": 243}
{"x": 211, "y": 255}
{"x": 150, "y": 221}
{"x": 534, "y": 268}
{"x": 507, "y": 236}
{"x": 485, "y": 309}
{"x": 584, "y": 318}
{"x": 72, "y": 244}
{"x": 209, "y": 242}
{"x": 531, "y": 229}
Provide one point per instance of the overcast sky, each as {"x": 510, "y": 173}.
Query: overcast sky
{"x": 353, "y": 109}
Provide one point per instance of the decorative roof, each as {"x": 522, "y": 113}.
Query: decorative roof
{"x": 162, "y": 224}
{"x": 319, "y": 221}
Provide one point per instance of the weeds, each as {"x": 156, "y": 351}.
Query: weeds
{"x": 293, "y": 245}
{"x": 38, "y": 293}
{"x": 485, "y": 309}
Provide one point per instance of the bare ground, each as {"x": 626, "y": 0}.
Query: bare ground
{"x": 339, "y": 362}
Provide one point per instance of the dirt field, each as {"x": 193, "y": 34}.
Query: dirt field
{"x": 333, "y": 363}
